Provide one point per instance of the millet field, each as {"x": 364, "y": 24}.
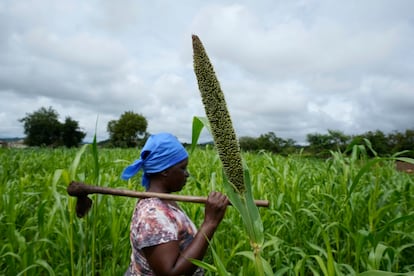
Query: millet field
{"x": 346, "y": 215}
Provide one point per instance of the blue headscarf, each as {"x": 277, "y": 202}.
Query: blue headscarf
{"x": 160, "y": 152}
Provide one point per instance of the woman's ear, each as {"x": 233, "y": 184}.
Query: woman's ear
{"x": 164, "y": 173}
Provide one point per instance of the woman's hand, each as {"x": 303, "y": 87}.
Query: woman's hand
{"x": 215, "y": 209}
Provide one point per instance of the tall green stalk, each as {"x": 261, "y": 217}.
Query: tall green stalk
{"x": 96, "y": 180}
{"x": 237, "y": 179}
{"x": 71, "y": 205}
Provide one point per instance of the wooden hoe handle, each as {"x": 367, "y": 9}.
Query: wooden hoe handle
{"x": 80, "y": 189}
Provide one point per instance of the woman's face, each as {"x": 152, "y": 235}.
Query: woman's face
{"x": 177, "y": 176}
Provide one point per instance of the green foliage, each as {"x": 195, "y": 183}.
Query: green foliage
{"x": 402, "y": 141}
{"x": 43, "y": 128}
{"x": 71, "y": 135}
{"x": 128, "y": 131}
{"x": 384, "y": 144}
{"x": 198, "y": 124}
{"x": 379, "y": 141}
{"x": 248, "y": 143}
{"x": 322, "y": 144}
{"x": 218, "y": 268}
{"x": 269, "y": 142}
{"x": 348, "y": 214}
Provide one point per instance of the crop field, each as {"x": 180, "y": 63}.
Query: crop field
{"x": 343, "y": 216}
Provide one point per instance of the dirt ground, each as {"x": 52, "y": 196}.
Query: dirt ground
{"x": 405, "y": 167}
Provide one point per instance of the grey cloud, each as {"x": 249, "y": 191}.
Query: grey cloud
{"x": 291, "y": 67}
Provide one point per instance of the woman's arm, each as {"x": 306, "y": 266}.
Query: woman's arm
{"x": 166, "y": 258}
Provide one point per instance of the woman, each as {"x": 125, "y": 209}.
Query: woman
{"x": 163, "y": 238}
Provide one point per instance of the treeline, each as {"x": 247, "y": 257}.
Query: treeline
{"x": 43, "y": 128}
{"x": 320, "y": 145}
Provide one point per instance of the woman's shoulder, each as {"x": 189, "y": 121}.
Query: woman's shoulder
{"x": 153, "y": 204}
{"x": 154, "y": 209}
{"x": 156, "y": 202}
{"x": 149, "y": 203}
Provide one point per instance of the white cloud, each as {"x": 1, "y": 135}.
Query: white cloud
{"x": 82, "y": 50}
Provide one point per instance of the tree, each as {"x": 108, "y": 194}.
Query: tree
{"x": 289, "y": 146}
{"x": 269, "y": 142}
{"x": 72, "y": 136}
{"x": 339, "y": 140}
{"x": 321, "y": 144}
{"x": 128, "y": 131}
{"x": 379, "y": 142}
{"x": 248, "y": 143}
{"x": 41, "y": 127}
{"x": 402, "y": 141}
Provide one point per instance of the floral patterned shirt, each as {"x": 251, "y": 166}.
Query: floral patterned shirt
{"x": 155, "y": 222}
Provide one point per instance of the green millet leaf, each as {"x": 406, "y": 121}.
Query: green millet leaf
{"x": 220, "y": 122}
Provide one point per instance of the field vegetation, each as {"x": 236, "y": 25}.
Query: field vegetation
{"x": 344, "y": 215}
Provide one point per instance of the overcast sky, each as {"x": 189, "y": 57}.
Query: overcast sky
{"x": 290, "y": 67}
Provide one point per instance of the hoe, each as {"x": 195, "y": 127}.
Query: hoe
{"x": 84, "y": 203}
